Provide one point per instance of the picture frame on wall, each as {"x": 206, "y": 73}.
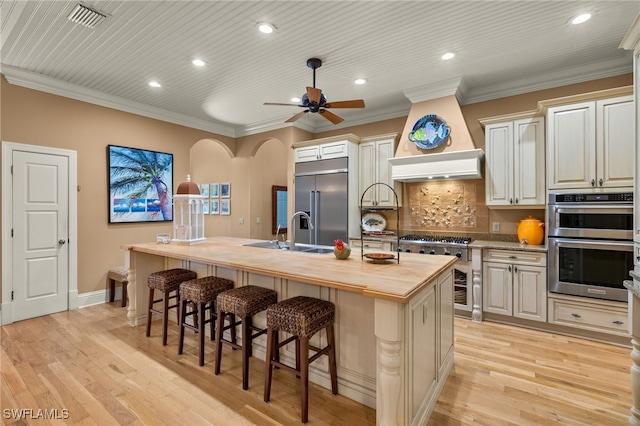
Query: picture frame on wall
{"x": 204, "y": 189}
{"x": 140, "y": 185}
{"x": 225, "y": 207}
{"x": 214, "y": 190}
{"x": 225, "y": 190}
{"x": 215, "y": 207}
{"x": 205, "y": 207}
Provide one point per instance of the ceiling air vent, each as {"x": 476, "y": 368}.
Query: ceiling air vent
{"x": 86, "y": 16}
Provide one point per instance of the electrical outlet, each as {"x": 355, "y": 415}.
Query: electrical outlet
{"x": 258, "y": 220}
{"x": 241, "y": 221}
{"x": 496, "y": 226}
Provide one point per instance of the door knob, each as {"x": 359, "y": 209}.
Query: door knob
{"x": 61, "y": 241}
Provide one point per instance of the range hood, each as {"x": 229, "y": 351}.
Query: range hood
{"x": 452, "y": 165}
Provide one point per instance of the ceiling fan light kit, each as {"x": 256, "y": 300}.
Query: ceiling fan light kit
{"x": 316, "y": 102}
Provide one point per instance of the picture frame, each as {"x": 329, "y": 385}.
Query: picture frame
{"x": 205, "y": 207}
{"x": 225, "y": 207}
{"x": 140, "y": 185}
{"x": 214, "y": 190}
{"x": 215, "y": 207}
{"x": 204, "y": 189}
{"x": 225, "y": 190}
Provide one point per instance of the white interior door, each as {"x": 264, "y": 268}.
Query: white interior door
{"x": 40, "y": 212}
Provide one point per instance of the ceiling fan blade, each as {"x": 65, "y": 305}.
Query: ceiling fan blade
{"x": 334, "y": 118}
{"x": 354, "y": 103}
{"x": 314, "y": 95}
{"x": 276, "y": 103}
{"x": 297, "y": 116}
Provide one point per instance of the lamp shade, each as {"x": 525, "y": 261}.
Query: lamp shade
{"x": 188, "y": 187}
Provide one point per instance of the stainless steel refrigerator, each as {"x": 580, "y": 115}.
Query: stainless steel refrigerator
{"x": 321, "y": 191}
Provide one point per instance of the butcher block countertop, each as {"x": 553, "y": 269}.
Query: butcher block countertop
{"x": 390, "y": 280}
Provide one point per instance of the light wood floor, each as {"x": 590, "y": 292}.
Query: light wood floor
{"x": 91, "y": 363}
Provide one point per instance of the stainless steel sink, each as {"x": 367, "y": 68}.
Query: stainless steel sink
{"x": 305, "y": 248}
{"x": 274, "y": 245}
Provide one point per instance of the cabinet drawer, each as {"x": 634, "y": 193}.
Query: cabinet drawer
{"x": 519, "y": 257}
{"x": 589, "y": 316}
{"x": 370, "y": 244}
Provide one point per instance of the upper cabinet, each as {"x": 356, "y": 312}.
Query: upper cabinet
{"x": 322, "y": 151}
{"x": 590, "y": 144}
{"x": 375, "y": 153}
{"x": 514, "y": 161}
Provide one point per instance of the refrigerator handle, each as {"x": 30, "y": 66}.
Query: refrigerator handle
{"x": 316, "y": 218}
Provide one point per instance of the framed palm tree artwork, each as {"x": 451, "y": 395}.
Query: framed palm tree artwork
{"x": 140, "y": 185}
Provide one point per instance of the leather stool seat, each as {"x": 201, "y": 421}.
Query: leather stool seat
{"x": 302, "y": 317}
{"x": 240, "y": 305}
{"x": 118, "y": 274}
{"x": 166, "y": 282}
{"x": 201, "y": 293}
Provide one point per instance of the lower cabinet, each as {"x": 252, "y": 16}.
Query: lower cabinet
{"x": 595, "y": 315}
{"x": 515, "y": 284}
{"x": 430, "y": 358}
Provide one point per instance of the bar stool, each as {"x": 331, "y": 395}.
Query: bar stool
{"x": 302, "y": 317}
{"x": 240, "y": 305}
{"x": 201, "y": 293}
{"x": 119, "y": 274}
{"x": 166, "y": 282}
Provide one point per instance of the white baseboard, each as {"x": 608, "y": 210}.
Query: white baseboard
{"x": 97, "y": 297}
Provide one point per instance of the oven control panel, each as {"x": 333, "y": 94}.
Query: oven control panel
{"x": 624, "y": 197}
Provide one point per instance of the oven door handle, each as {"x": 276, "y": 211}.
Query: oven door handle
{"x": 591, "y": 244}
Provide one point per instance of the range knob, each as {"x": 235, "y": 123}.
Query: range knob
{"x": 407, "y": 250}
{"x": 433, "y": 251}
{"x": 458, "y": 255}
{"x": 421, "y": 251}
{"x": 447, "y": 252}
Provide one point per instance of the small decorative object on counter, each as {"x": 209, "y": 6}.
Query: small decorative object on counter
{"x": 341, "y": 250}
{"x": 530, "y": 231}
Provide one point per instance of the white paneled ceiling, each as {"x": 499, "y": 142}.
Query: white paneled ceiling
{"x": 502, "y": 48}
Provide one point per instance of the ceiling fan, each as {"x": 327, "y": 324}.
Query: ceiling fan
{"x": 315, "y": 101}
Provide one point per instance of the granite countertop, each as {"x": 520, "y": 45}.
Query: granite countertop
{"x": 506, "y": 245}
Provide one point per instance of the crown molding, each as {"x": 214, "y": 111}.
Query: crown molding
{"x": 435, "y": 90}
{"x": 35, "y": 81}
{"x": 549, "y": 81}
{"x": 631, "y": 40}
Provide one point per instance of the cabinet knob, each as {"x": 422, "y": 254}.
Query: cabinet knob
{"x": 61, "y": 242}
{"x": 593, "y": 182}
{"x": 509, "y": 268}
{"x": 510, "y": 200}
{"x": 618, "y": 322}
{"x": 513, "y": 257}
{"x": 600, "y": 181}
{"x": 517, "y": 200}
{"x": 576, "y": 315}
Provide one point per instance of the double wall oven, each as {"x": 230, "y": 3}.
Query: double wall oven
{"x": 590, "y": 244}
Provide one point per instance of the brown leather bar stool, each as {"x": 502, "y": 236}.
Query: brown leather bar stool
{"x": 200, "y": 293}
{"x": 302, "y": 317}
{"x": 240, "y": 305}
{"x": 119, "y": 274}
{"x": 166, "y": 282}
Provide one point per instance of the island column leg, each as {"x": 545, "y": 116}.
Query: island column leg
{"x": 476, "y": 285}
{"x": 390, "y": 378}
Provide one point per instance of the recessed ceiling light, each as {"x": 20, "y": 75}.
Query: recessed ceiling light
{"x": 448, "y": 55}
{"x": 266, "y": 28}
{"x": 154, "y": 84}
{"x": 295, "y": 99}
{"x": 360, "y": 81}
{"x": 198, "y": 62}
{"x": 584, "y": 17}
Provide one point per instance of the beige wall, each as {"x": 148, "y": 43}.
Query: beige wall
{"x": 252, "y": 163}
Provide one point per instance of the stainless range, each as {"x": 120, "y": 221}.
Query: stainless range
{"x": 443, "y": 245}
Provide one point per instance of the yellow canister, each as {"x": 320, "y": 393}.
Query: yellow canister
{"x": 531, "y": 231}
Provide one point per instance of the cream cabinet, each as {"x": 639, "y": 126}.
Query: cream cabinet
{"x": 515, "y": 161}
{"x": 515, "y": 284}
{"x": 357, "y": 243}
{"x": 322, "y": 152}
{"x": 430, "y": 358}
{"x": 590, "y": 144}
{"x": 595, "y": 315}
{"x": 374, "y": 156}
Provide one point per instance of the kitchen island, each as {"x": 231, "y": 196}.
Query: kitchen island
{"x": 394, "y": 321}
